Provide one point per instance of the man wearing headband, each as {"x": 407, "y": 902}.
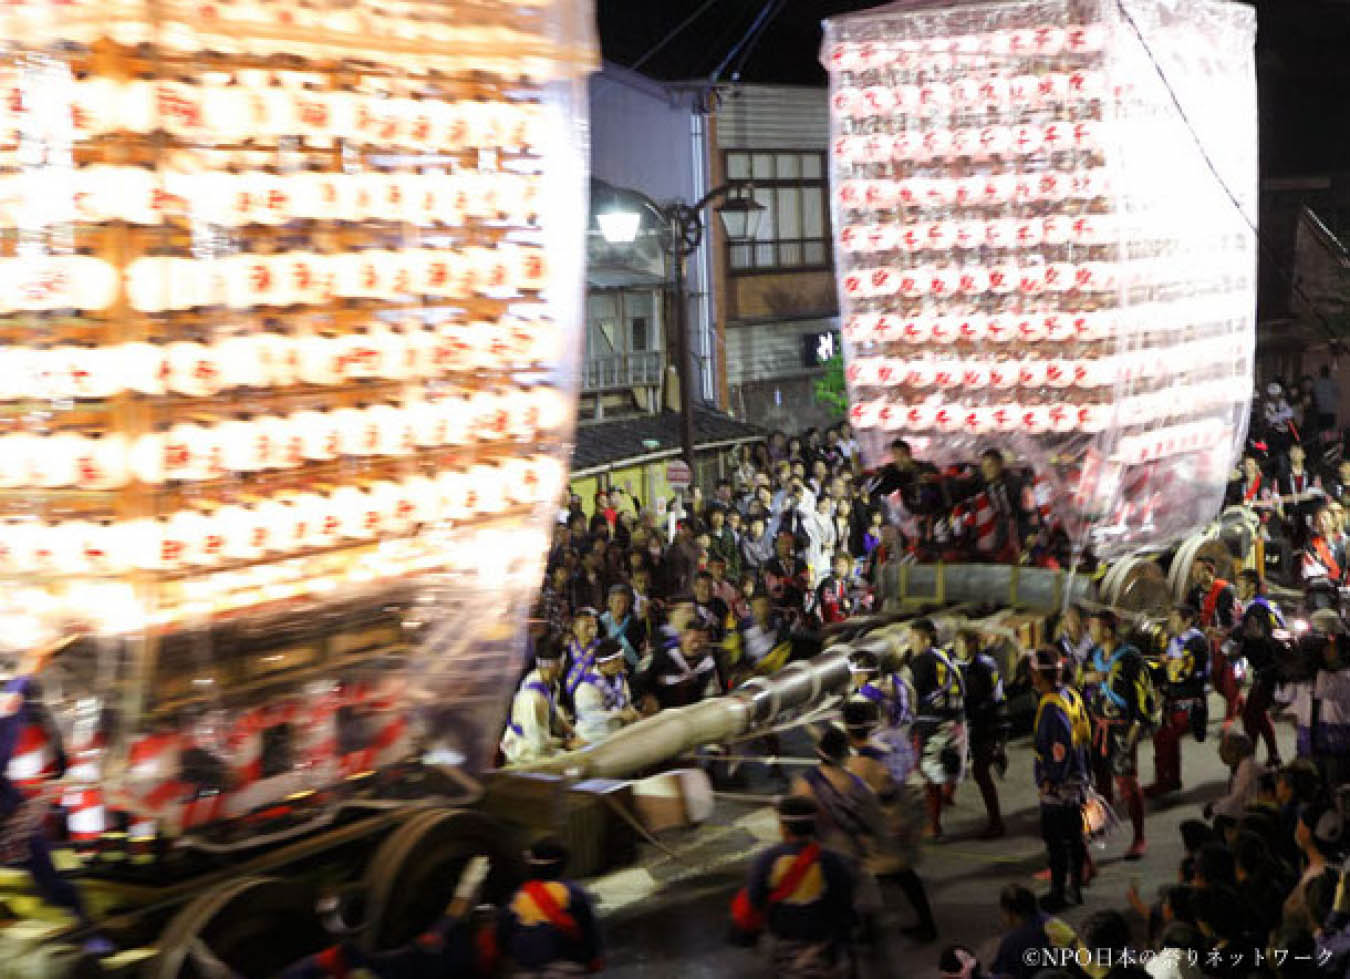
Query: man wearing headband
{"x": 898, "y": 850}
{"x": 1062, "y": 735}
{"x": 1120, "y": 713}
{"x": 802, "y": 894}
{"x": 939, "y": 724}
{"x": 893, "y": 698}
{"x": 583, "y": 640}
{"x": 850, "y": 820}
{"x": 548, "y": 930}
{"x": 600, "y": 694}
{"x": 536, "y": 728}
{"x": 1216, "y": 601}
{"x": 1186, "y": 663}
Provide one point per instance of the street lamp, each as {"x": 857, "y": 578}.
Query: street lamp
{"x": 740, "y": 214}
{"x": 619, "y": 227}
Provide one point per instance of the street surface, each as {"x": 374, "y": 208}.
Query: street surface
{"x": 668, "y": 918}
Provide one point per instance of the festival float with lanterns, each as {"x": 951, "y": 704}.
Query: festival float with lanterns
{"x": 1044, "y": 220}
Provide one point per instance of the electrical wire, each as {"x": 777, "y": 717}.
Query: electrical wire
{"x": 753, "y": 42}
{"x": 1261, "y": 241}
{"x": 755, "y": 26}
{"x": 676, "y": 31}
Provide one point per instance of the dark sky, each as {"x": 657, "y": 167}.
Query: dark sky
{"x": 1303, "y": 51}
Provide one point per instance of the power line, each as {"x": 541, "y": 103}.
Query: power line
{"x": 755, "y": 26}
{"x": 1261, "y": 241}
{"x": 754, "y": 42}
{"x": 655, "y": 49}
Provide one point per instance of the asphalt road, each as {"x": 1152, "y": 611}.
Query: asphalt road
{"x": 668, "y": 916}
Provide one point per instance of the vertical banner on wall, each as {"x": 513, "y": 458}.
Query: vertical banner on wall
{"x": 1044, "y": 219}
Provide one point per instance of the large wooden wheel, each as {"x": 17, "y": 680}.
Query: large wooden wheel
{"x": 254, "y": 926}
{"x": 1136, "y": 584}
{"x": 1179, "y": 573}
{"x": 412, "y": 876}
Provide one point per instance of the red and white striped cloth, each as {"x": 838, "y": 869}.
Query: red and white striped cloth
{"x": 86, "y": 814}
{"x": 33, "y": 761}
{"x": 157, "y": 796}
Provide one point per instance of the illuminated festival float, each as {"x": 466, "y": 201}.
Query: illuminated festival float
{"x": 1044, "y": 220}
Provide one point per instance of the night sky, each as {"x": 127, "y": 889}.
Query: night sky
{"x": 1303, "y": 61}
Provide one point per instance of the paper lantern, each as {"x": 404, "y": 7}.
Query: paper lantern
{"x": 244, "y": 534}
{"x": 17, "y": 453}
{"x": 320, "y": 360}
{"x": 54, "y": 464}
{"x": 194, "y": 370}
{"x": 102, "y": 463}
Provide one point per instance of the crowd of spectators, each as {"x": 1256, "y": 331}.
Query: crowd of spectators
{"x": 702, "y": 592}
{"x": 790, "y": 542}
{"x": 1295, "y": 480}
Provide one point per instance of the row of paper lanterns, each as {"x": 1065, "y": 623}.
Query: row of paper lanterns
{"x": 1026, "y": 372}
{"x": 1208, "y": 270}
{"x": 219, "y": 114}
{"x": 1086, "y": 326}
{"x": 288, "y": 523}
{"x": 138, "y": 195}
{"x": 272, "y": 28}
{"x": 158, "y": 284}
{"x": 944, "y": 53}
{"x": 193, "y": 451}
{"x": 268, "y": 360}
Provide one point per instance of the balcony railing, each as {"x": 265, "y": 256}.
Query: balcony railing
{"x": 623, "y": 371}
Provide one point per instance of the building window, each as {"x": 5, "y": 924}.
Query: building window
{"x": 794, "y": 232}
{"x": 623, "y": 339}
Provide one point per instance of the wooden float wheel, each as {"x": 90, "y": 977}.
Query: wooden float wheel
{"x": 412, "y": 876}
{"x": 256, "y": 926}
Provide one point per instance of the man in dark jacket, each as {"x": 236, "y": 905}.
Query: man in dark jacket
{"x": 1256, "y": 643}
{"x": 1186, "y": 666}
{"x": 939, "y": 722}
{"x": 986, "y": 721}
{"x": 682, "y": 669}
{"x": 549, "y": 923}
{"x": 1033, "y": 940}
{"x": 802, "y": 894}
{"x": 1061, "y": 742}
{"x": 1120, "y": 715}
{"x": 786, "y": 576}
{"x": 589, "y": 584}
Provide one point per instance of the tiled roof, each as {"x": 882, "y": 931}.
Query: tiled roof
{"x": 608, "y": 442}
